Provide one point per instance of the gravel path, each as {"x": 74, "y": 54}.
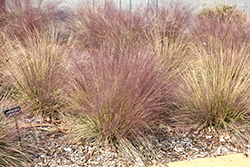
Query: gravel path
{"x": 48, "y": 146}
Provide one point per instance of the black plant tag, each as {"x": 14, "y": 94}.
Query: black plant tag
{"x": 12, "y": 112}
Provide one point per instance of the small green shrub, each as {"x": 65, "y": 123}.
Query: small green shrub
{"x": 219, "y": 11}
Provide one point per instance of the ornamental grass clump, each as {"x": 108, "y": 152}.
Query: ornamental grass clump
{"x": 215, "y": 91}
{"x": 102, "y": 25}
{"x": 38, "y": 74}
{"x": 169, "y": 39}
{"x": 220, "y": 28}
{"x": 4, "y": 80}
{"x": 117, "y": 97}
{"x": 171, "y": 22}
{"x": 24, "y": 17}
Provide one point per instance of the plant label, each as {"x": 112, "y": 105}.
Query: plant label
{"x": 12, "y": 112}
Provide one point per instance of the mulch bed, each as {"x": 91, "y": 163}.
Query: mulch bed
{"x": 47, "y": 144}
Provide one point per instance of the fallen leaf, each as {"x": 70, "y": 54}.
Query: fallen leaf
{"x": 52, "y": 136}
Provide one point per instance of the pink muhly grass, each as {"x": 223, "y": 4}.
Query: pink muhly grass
{"x": 172, "y": 21}
{"x": 221, "y": 28}
{"x": 117, "y": 96}
{"x": 108, "y": 25}
{"x": 169, "y": 37}
{"x": 2, "y": 7}
{"x": 24, "y": 17}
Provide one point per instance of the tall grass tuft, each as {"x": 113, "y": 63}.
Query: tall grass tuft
{"x": 220, "y": 28}
{"x": 108, "y": 25}
{"x": 25, "y": 17}
{"x": 38, "y": 74}
{"x": 215, "y": 92}
{"x": 216, "y": 82}
{"x": 168, "y": 37}
{"x": 117, "y": 97}
{"x": 171, "y": 22}
{"x": 4, "y": 79}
